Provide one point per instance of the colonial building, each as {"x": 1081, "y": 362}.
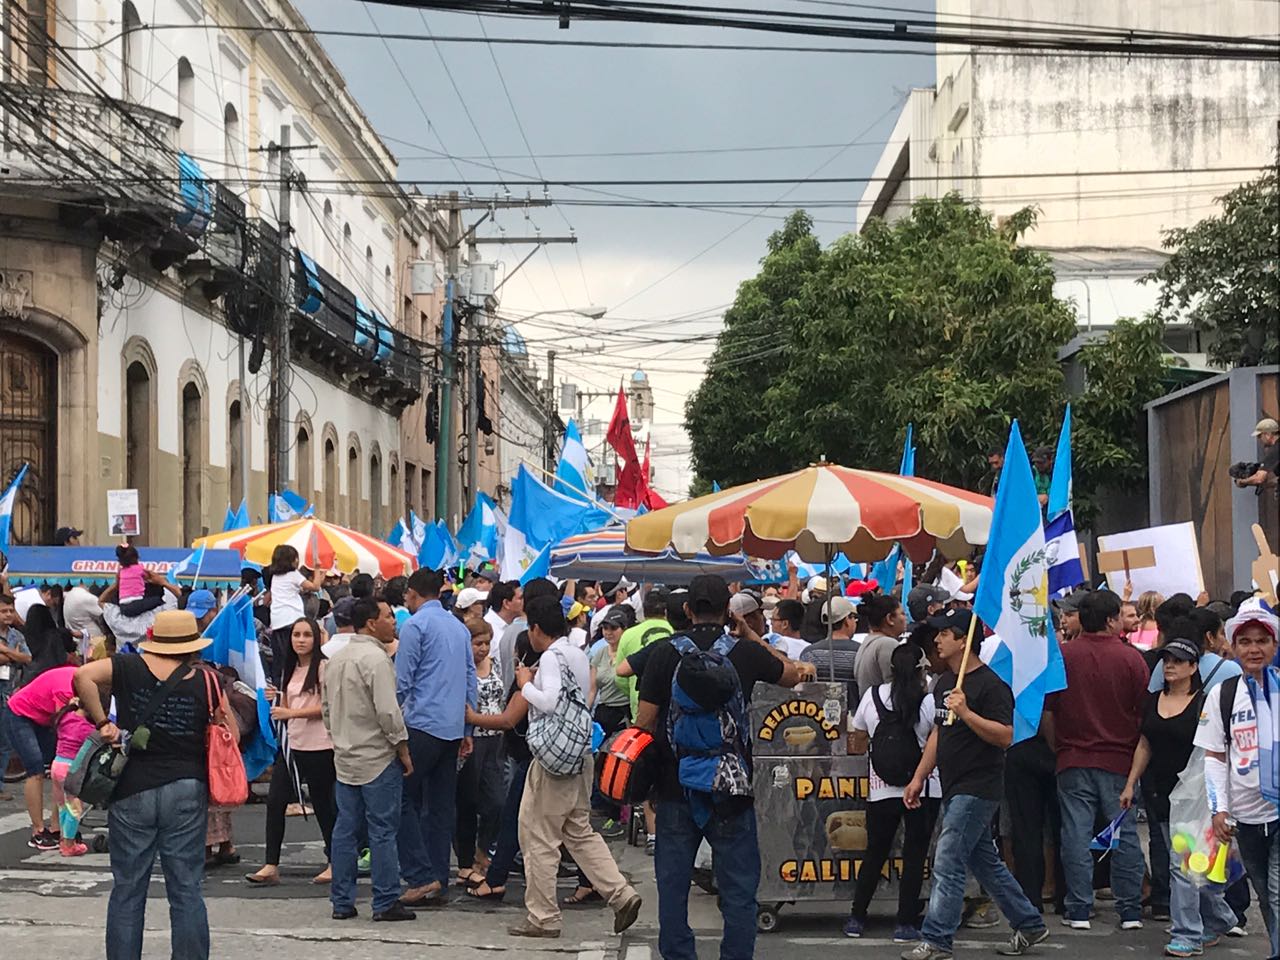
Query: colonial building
{"x": 144, "y": 180}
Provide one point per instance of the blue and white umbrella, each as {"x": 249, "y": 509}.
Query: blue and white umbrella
{"x": 602, "y": 555}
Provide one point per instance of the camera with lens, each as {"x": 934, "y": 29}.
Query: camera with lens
{"x": 1243, "y": 469}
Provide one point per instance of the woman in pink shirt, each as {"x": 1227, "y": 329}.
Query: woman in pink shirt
{"x": 1145, "y": 637}
{"x": 310, "y": 749}
{"x": 31, "y": 715}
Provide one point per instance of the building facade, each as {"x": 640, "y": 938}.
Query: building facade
{"x": 145, "y": 273}
{"x": 1112, "y": 150}
{"x": 525, "y": 427}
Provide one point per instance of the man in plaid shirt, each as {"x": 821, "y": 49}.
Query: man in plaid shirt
{"x": 556, "y": 810}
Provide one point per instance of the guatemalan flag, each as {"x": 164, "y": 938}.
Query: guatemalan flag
{"x": 287, "y": 505}
{"x": 1013, "y": 594}
{"x": 571, "y": 471}
{"x": 1063, "y": 551}
{"x": 7, "y": 501}
{"x": 235, "y": 644}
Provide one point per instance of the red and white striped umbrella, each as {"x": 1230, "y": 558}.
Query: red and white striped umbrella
{"x": 336, "y": 546}
{"x": 861, "y": 513}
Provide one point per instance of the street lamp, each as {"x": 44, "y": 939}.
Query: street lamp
{"x": 591, "y": 312}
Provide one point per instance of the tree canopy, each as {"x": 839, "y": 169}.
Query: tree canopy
{"x": 942, "y": 319}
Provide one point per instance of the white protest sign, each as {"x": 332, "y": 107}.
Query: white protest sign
{"x": 124, "y": 519}
{"x": 1177, "y": 560}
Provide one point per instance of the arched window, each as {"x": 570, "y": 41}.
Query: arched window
{"x": 327, "y": 241}
{"x": 389, "y": 294}
{"x": 368, "y": 270}
{"x": 131, "y": 59}
{"x": 394, "y": 490}
{"x": 347, "y": 258}
{"x": 192, "y": 465}
{"x": 186, "y": 106}
{"x": 235, "y": 454}
{"x": 353, "y": 488}
{"x": 375, "y": 496}
{"x": 231, "y": 140}
{"x": 303, "y": 470}
{"x": 138, "y": 433}
{"x": 330, "y": 481}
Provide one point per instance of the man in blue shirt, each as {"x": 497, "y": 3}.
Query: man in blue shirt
{"x": 435, "y": 682}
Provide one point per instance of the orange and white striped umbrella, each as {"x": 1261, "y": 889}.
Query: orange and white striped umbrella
{"x": 337, "y": 546}
{"x": 858, "y": 512}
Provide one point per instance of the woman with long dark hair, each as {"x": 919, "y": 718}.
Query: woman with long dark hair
{"x": 49, "y": 643}
{"x": 905, "y": 702}
{"x": 284, "y": 595}
{"x": 310, "y": 750}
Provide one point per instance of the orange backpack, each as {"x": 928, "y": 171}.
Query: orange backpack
{"x": 625, "y": 771}
{"x": 228, "y": 784}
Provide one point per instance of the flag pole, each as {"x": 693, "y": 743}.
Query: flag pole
{"x": 195, "y": 581}
{"x": 964, "y": 666}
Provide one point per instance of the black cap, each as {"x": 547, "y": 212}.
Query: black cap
{"x": 919, "y": 598}
{"x": 708, "y": 594}
{"x": 64, "y": 534}
{"x": 1071, "y": 602}
{"x": 614, "y": 618}
{"x": 343, "y": 610}
{"x": 1180, "y": 649}
{"x": 956, "y": 620}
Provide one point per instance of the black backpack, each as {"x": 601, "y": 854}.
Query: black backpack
{"x": 895, "y": 750}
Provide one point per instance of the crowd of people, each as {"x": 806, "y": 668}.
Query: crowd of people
{"x": 433, "y": 730}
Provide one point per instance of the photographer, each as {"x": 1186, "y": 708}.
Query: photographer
{"x": 1264, "y": 473}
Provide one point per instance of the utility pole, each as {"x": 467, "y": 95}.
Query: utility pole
{"x": 278, "y": 397}
{"x": 473, "y": 398}
{"x": 550, "y": 432}
{"x": 446, "y": 457}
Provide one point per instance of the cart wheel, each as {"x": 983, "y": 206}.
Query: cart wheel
{"x": 99, "y": 843}
{"x": 767, "y": 919}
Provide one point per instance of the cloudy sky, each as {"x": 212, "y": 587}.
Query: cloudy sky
{"x": 596, "y": 113}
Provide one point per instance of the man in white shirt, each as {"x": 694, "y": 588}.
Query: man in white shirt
{"x": 788, "y": 618}
{"x": 556, "y": 810}
{"x": 1241, "y": 757}
{"x": 505, "y": 607}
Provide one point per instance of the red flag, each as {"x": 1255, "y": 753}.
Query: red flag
{"x": 651, "y": 499}
{"x": 631, "y": 484}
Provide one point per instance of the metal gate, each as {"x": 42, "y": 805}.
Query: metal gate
{"x": 28, "y": 434}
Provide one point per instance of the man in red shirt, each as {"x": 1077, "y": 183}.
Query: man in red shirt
{"x": 1096, "y": 722}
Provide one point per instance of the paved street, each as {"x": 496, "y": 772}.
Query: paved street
{"x": 56, "y": 908}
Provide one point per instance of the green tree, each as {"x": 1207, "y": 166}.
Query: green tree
{"x": 1224, "y": 275}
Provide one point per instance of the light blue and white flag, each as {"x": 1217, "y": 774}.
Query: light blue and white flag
{"x": 7, "y": 502}
{"x": 1013, "y": 594}
{"x": 478, "y": 535}
{"x": 571, "y": 471}
{"x": 1063, "y": 550}
{"x": 885, "y": 572}
{"x": 287, "y": 505}
{"x": 235, "y": 644}
{"x": 191, "y": 565}
{"x": 236, "y": 519}
{"x": 439, "y": 550}
{"x": 540, "y": 566}
{"x": 541, "y": 517}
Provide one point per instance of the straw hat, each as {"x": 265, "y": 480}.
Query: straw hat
{"x": 174, "y": 633}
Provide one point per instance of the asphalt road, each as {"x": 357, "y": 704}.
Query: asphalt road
{"x": 48, "y": 901}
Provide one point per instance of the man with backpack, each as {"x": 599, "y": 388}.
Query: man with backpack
{"x": 695, "y": 689}
{"x": 969, "y": 754}
{"x": 653, "y": 627}
{"x": 1240, "y": 733}
{"x": 556, "y": 808}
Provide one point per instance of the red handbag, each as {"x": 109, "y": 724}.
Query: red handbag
{"x": 228, "y": 784}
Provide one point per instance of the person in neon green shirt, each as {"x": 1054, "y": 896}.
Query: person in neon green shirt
{"x": 653, "y": 627}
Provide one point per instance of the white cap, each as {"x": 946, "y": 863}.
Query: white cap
{"x": 1252, "y": 610}
{"x": 469, "y": 597}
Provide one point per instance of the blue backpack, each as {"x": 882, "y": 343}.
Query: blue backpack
{"x": 707, "y": 726}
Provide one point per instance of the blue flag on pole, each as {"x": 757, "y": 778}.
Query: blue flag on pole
{"x": 885, "y": 572}
{"x": 1013, "y": 594}
{"x": 7, "y": 501}
{"x": 571, "y": 471}
{"x": 478, "y": 535}
{"x": 438, "y": 550}
{"x": 1063, "y": 550}
{"x": 235, "y": 644}
{"x": 190, "y": 565}
{"x": 287, "y": 505}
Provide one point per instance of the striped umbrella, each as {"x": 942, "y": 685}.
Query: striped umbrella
{"x": 819, "y": 509}
{"x": 603, "y": 555}
{"x": 320, "y": 545}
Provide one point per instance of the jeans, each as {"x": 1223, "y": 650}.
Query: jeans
{"x": 965, "y": 841}
{"x": 377, "y": 804}
{"x": 1158, "y": 852}
{"x": 428, "y": 810}
{"x": 883, "y": 817}
{"x": 737, "y": 867}
{"x": 1031, "y": 791}
{"x": 1088, "y": 795}
{"x": 1199, "y": 912}
{"x": 168, "y": 820}
{"x": 34, "y": 744}
{"x": 508, "y": 845}
{"x": 315, "y": 768}
{"x": 1260, "y": 850}
{"x": 6, "y": 748}
{"x": 479, "y": 803}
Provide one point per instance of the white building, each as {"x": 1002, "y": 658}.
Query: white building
{"x": 140, "y": 183}
{"x": 997, "y": 125}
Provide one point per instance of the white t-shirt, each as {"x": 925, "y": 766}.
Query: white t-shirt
{"x": 578, "y": 638}
{"x": 791, "y": 647}
{"x": 286, "y": 599}
{"x": 544, "y": 689}
{"x": 495, "y": 622}
{"x": 866, "y": 718}
{"x": 1244, "y": 794}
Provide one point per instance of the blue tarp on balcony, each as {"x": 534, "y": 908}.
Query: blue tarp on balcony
{"x": 196, "y": 195}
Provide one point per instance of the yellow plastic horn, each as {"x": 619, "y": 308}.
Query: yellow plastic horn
{"x": 1218, "y": 872}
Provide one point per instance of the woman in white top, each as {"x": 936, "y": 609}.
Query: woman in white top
{"x": 904, "y": 702}
{"x": 284, "y": 595}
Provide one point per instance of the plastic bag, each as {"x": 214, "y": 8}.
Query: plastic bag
{"x": 1194, "y": 849}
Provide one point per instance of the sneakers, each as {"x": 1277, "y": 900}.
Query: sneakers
{"x": 1022, "y": 941}
{"x": 926, "y": 951}
{"x": 397, "y": 911}
{"x": 905, "y": 933}
{"x": 650, "y": 844}
{"x": 1237, "y": 931}
{"x": 43, "y": 840}
{"x": 1183, "y": 948}
{"x": 527, "y": 929}
{"x": 345, "y": 913}
{"x": 1076, "y": 924}
{"x": 1130, "y": 924}
{"x": 364, "y": 866}
{"x": 853, "y": 928}
{"x": 612, "y": 829}
{"x": 627, "y": 913}
{"x": 76, "y": 849}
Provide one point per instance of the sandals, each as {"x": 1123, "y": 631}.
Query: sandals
{"x": 578, "y": 898}
{"x": 469, "y": 878}
{"x": 493, "y": 894}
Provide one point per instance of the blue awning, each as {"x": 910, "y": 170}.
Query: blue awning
{"x": 196, "y": 194}
{"x": 310, "y": 286}
{"x": 96, "y": 566}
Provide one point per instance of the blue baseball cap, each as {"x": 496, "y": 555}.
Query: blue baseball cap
{"x": 200, "y": 602}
